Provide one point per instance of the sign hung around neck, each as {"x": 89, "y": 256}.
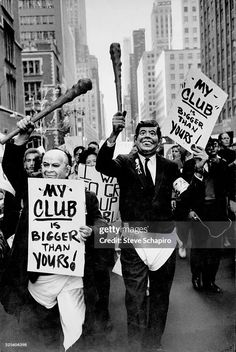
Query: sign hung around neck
{"x": 56, "y": 211}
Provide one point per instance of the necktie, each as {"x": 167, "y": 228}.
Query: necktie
{"x": 147, "y": 172}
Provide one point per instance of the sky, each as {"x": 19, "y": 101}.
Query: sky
{"x": 110, "y": 21}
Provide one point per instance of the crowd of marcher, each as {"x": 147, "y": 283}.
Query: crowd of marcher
{"x": 200, "y": 215}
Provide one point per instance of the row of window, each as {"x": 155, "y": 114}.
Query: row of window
{"x": 31, "y": 67}
{"x": 186, "y": 8}
{"x": 33, "y": 20}
{"x": 32, "y": 91}
{"x": 187, "y": 18}
{"x": 37, "y": 35}
{"x": 181, "y": 56}
{"x": 34, "y": 4}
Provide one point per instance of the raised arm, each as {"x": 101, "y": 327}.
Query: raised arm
{"x": 105, "y": 163}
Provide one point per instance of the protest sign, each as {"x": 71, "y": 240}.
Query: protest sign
{"x": 106, "y": 189}
{"x": 193, "y": 115}
{"x": 56, "y": 211}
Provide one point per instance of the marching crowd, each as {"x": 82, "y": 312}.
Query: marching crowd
{"x": 186, "y": 198}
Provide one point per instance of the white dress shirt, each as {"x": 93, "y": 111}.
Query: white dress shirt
{"x": 151, "y": 165}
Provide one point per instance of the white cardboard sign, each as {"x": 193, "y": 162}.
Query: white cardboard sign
{"x": 194, "y": 113}
{"x": 56, "y": 211}
{"x": 106, "y": 189}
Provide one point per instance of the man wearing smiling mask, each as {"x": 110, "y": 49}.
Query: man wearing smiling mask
{"x": 20, "y": 290}
{"x": 146, "y": 181}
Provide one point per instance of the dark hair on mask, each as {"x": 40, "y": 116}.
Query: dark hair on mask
{"x": 69, "y": 158}
{"x": 148, "y": 123}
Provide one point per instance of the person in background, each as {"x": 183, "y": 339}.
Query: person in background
{"x": 182, "y": 227}
{"x": 229, "y": 155}
{"x": 206, "y": 206}
{"x": 102, "y": 258}
{"x": 77, "y": 155}
{"x": 32, "y": 162}
{"x": 13, "y": 204}
{"x": 94, "y": 145}
{"x": 225, "y": 152}
{"x": 89, "y": 157}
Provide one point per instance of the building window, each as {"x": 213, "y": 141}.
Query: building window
{"x": 172, "y": 66}
{"x": 33, "y": 4}
{"x": 173, "y": 96}
{"x": 181, "y": 66}
{"x": 185, "y": 8}
{"x": 11, "y": 92}
{"x": 33, "y": 20}
{"x": 172, "y": 56}
{"x": 172, "y": 76}
{"x": 186, "y": 30}
{"x": 32, "y": 91}
{"x": 9, "y": 43}
{"x": 37, "y": 35}
{"x": 172, "y": 86}
{"x": 31, "y": 67}
{"x": 185, "y": 18}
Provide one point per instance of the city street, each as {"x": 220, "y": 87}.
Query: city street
{"x": 197, "y": 322}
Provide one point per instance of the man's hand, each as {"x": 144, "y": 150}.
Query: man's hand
{"x": 85, "y": 232}
{"x": 193, "y": 216}
{"x": 118, "y": 124}
{"x": 200, "y": 156}
{"x": 26, "y": 128}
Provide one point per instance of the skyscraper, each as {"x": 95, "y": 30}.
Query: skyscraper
{"x": 76, "y": 11}
{"x": 161, "y": 25}
{"x": 138, "y": 50}
{"x": 185, "y": 24}
{"x": 146, "y": 85}
{"x": 218, "y": 53}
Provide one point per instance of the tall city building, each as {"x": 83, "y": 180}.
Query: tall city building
{"x": 218, "y": 54}
{"x": 126, "y": 51}
{"x": 161, "y": 25}
{"x": 138, "y": 50}
{"x": 171, "y": 68}
{"x": 47, "y": 21}
{"x": 146, "y": 85}
{"x": 185, "y": 24}
{"x": 11, "y": 79}
{"x": 48, "y": 62}
{"x": 76, "y": 11}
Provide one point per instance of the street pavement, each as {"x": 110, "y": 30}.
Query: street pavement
{"x": 197, "y": 322}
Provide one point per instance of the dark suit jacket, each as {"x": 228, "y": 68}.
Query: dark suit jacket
{"x": 13, "y": 291}
{"x": 139, "y": 202}
{"x": 194, "y": 197}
